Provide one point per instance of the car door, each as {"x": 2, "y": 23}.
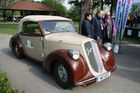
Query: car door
{"x": 32, "y": 40}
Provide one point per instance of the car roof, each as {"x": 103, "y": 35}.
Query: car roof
{"x": 36, "y": 18}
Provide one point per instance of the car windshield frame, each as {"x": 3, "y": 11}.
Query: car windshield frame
{"x": 45, "y": 30}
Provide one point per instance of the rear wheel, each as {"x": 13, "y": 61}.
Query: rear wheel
{"x": 62, "y": 75}
{"x": 18, "y": 51}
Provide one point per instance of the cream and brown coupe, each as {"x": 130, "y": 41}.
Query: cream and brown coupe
{"x": 73, "y": 59}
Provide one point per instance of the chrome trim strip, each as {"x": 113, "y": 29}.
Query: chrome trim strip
{"x": 83, "y": 82}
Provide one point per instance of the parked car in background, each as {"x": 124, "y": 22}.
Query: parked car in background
{"x": 13, "y": 19}
{"x": 73, "y": 59}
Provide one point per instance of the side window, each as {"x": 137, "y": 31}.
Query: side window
{"x": 31, "y": 28}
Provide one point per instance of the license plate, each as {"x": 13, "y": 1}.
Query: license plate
{"x": 102, "y": 77}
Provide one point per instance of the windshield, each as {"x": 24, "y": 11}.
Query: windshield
{"x": 57, "y": 26}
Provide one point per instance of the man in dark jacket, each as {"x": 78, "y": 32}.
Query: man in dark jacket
{"x": 97, "y": 23}
{"x": 87, "y": 28}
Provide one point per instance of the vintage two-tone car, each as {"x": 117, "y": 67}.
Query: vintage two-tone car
{"x": 72, "y": 58}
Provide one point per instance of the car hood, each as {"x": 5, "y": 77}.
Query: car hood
{"x": 67, "y": 38}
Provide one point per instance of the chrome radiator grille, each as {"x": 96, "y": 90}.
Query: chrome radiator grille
{"x": 90, "y": 51}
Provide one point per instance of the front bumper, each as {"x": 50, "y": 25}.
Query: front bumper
{"x": 86, "y": 82}
{"x": 92, "y": 79}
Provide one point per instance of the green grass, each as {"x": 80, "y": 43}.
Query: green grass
{"x": 9, "y": 28}
{"x": 5, "y": 84}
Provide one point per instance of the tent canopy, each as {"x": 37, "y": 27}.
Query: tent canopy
{"x": 136, "y": 2}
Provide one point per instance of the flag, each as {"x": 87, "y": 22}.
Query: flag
{"x": 127, "y": 4}
{"x": 122, "y": 11}
{"x": 118, "y": 19}
{"x": 118, "y": 13}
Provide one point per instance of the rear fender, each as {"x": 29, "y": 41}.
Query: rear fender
{"x": 16, "y": 40}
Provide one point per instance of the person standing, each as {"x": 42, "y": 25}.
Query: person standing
{"x": 97, "y": 23}
{"x": 109, "y": 28}
{"x": 87, "y": 28}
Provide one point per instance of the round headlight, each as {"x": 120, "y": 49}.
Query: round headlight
{"x": 108, "y": 46}
{"x": 74, "y": 54}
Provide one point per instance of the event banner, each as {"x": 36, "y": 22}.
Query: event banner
{"x": 118, "y": 13}
{"x": 123, "y": 9}
{"x": 127, "y": 4}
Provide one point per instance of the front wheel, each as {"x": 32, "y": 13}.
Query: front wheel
{"x": 62, "y": 75}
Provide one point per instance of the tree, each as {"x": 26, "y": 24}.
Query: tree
{"x": 61, "y": 1}
{"x": 84, "y": 7}
{"x": 56, "y": 4}
{"x": 73, "y": 13}
{"x": 5, "y": 3}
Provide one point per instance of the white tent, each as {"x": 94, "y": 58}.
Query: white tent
{"x": 136, "y": 1}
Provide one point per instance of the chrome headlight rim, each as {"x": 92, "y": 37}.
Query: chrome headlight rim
{"x": 74, "y": 54}
{"x": 108, "y": 46}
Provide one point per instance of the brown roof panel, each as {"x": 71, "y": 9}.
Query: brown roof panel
{"x": 24, "y": 5}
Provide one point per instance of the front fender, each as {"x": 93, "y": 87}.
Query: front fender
{"x": 108, "y": 58}
{"x": 78, "y": 68}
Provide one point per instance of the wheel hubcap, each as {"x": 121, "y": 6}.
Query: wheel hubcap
{"x": 62, "y": 73}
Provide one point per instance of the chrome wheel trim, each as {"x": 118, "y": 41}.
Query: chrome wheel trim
{"x": 62, "y": 73}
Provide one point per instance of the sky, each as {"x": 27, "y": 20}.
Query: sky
{"x": 65, "y": 3}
